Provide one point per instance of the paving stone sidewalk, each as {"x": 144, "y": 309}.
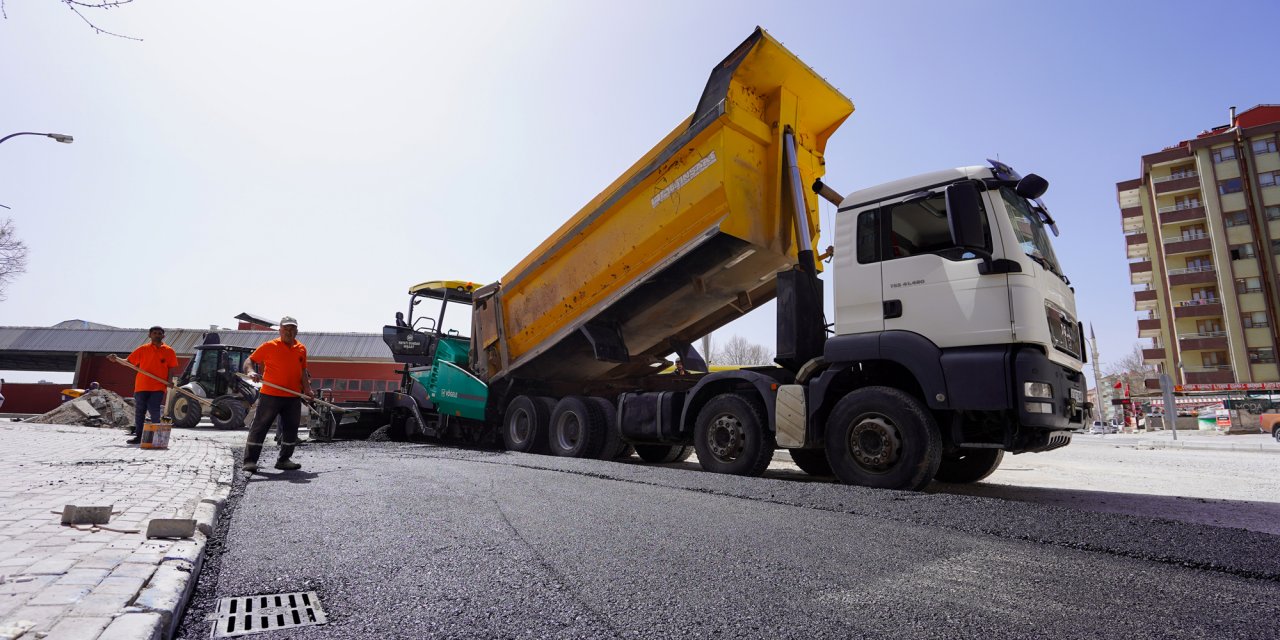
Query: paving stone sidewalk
{"x": 61, "y": 582}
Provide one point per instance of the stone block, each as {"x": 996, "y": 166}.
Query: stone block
{"x": 120, "y": 584}
{"x": 59, "y": 595}
{"x": 82, "y": 577}
{"x": 134, "y": 626}
{"x": 76, "y": 627}
{"x": 50, "y": 567}
{"x": 171, "y": 528}
{"x": 102, "y": 604}
{"x": 71, "y": 514}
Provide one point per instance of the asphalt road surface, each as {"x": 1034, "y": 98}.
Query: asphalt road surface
{"x": 411, "y": 540}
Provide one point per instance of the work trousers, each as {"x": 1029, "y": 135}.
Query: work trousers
{"x": 145, "y": 402}
{"x": 290, "y": 412}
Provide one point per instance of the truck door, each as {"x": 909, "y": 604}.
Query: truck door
{"x": 856, "y": 285}
{"x": 933, "y": 288}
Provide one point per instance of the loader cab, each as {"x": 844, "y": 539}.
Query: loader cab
{"x": 214, "y": 368}
{"x": 439, "y": 311}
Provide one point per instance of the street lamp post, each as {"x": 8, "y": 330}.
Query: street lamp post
{"x": 60, "y": 137}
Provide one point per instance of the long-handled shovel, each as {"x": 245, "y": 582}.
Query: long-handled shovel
{"x": 329, "y": 405}
{"x": 207, "y": 404}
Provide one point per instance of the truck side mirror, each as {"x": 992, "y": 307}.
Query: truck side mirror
{"x": 964, "y": 215}
{"x": 1031, "y": 187}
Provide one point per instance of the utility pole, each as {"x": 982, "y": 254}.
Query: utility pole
{"x": 1097, "y": 372}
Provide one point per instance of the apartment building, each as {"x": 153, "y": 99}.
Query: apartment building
{"x": 1202, "y": 234}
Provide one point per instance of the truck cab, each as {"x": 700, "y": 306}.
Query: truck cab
{"x": 997, "y": 311}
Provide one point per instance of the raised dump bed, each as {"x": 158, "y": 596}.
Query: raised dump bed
{"x": 687, "y": 240}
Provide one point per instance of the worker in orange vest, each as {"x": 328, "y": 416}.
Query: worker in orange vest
{"x": 160, "y": 360}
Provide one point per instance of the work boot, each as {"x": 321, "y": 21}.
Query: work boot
{"x": 250, "y": 467}
{"x": 133, "y": 440}
{"x": 287, "y": 465}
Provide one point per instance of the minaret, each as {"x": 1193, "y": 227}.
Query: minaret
{"x": 1100, "y": 412}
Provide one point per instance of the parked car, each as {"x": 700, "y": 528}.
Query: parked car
{"x": 1100, "y": 427}
{"x": 1270, "y": 423}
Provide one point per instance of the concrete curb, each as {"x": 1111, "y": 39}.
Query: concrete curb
{"x": 1252, "y": 447}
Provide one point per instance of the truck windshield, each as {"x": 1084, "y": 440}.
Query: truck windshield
{"x": 1029, "y": 225}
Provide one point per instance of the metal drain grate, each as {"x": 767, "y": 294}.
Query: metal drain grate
{"x": 255, "y": 614}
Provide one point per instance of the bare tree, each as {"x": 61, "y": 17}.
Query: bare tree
{"x": 739, "y": 351}
{"x": 78, "y": 7}
{"x": 1131, "y": 369}
{"x": 13, "y": 255}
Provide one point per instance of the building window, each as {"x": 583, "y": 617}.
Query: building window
{"x": 1236, "y": 218}
{"x": 1273, "y": 213}
{"x": 1242, "y": 251}
{"x": 1248, "y": 285}
{"x": 1269, "y": 178}
{"x": 1192, "y": 232}
{"x": 1190, "y": 201}
{"x": 1264, "y": 146}
{"x": 1209, "y": 328}
{"x": 1213, "y": 359}
{"x": 1255, "y": 319}
{"x": 1275, "y": 247}
{"x": 1262, "y": 355}
{"x": 1184, "y": 171}
{"x": 366, "y": 385}
{"x": 1204, "y": 295}
{"x": 1230, "y": 185}
{"x": 1223, "y": 154}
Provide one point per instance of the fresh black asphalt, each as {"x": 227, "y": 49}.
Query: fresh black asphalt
{"x": 419, "y": 541}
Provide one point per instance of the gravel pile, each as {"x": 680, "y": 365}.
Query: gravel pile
{"x": 113, "y": 411}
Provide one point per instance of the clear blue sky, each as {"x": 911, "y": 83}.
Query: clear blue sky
{"x": 317, "y": 158}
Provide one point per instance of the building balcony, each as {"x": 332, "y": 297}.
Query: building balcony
{"x": 1172, "y": 214}
{"x": 1181, "y": 244}
{"x": 1151, "y": 384}
{"x": 1144, "y": 300}
{"x": 1149, "y": 328}
{"x": 1207, "y": 375}
{"x": 1173, "y": 184}
{"x": 1207, "y": 341}
{"x": 1210, "y": 308}
{"x": 1192, "y": 275}
{"x": 1153, "y": 355}
{"x": 1131, "y": 212}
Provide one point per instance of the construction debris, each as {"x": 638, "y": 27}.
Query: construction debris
{"x": 108, "y": 409}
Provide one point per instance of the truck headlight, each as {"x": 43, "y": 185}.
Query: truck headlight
{"x": 1038, "y": 390}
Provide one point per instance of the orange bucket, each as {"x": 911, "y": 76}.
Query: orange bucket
{"x": 155, "y": 435}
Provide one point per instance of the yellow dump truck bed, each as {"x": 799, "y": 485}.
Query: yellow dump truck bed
{"x": 685, "y": 241}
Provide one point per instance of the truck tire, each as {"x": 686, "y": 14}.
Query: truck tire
{"x": 969, "y": 465}
{"x": 186, "y": 412}
{"x": 577, "y": 428}
{"x": 883, "y": 438}
{"x": 227, "y": 412}
{"x": 613, "y": 447}
{"x": 811, "y": 461}
{"x": 663, "y": 453}
{"x": 731, "y": 436}
{"x": 524, "y": 425}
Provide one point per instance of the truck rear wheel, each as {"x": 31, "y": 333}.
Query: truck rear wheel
{"x": 524, "y": 426}
{"x": 663, "y": 453}
{"x": 884, "y": 438}
{"x": 613, "y": 447}
{"x": 969, "y": 465}
{"x": 811, "y": 461}
{"x": 186, "y": 412}
{"x": 731, "y": 436}
{"x": 227, "y": 412}
{"x": 577, "y": 428}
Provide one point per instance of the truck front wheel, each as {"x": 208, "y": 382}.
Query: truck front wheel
{"x": 524, "y": 426}
{"x": 883, "y": 438}
{"x": 731, "y": 436}
{"x": 969, "y": 465}
{"x": 577, "y": 428}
